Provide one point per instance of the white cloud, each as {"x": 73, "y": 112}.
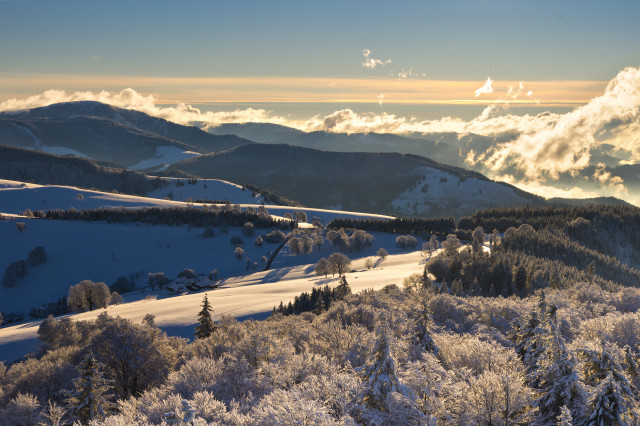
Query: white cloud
{"x": 486, "y": 88}
{"x": 380, "y": 98}
{"x": 370, "y": 62}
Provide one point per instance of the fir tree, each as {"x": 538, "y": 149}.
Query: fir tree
{"x": 380, "y": 374}
{"x": 613, "y": 395}
{"x": 564, "y": 419}
{"x": 343, "y": 289}
{"x": 205, "y": 327}
{"x": 90, "y": 399}
{"x": 556, "y": 376}
{"x": 421, "y": 334}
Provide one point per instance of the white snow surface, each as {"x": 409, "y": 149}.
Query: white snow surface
{"x": 444, "y": 188}
{"x": 248, "y": 296}
{"x": 165, "y": 156}
{"x": 206, "y": 189}
{"x": 57, "y": 150}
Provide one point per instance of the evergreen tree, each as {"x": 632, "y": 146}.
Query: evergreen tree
{"x": 421, "y": 334}
{"x": 607, "y": 406}
{"x": 557, "y": 377}
{"x": 380, "y": 373}
{"x": 564, "y": 419}
{"x": 343, "y": 289}
{"x": 90, "y": 399}
{"x": 205, "y": 325}
{"x": 632, "y": 370}
{"x": 613, "y": 395}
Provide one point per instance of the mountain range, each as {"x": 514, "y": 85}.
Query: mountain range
{"x": 405, "y": 175}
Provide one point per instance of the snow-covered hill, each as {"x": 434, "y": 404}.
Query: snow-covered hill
{"x": 252, "y": 295}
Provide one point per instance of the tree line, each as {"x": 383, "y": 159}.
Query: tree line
{"x": 169, "y": 216}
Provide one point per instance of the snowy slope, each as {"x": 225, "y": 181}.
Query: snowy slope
{"x": 206, "y": 189}
{"x": 165, "y": 155}
{"x": 252, "y": 295}
{"x": 16, "y": 197}
{"x": 446, "y": 194}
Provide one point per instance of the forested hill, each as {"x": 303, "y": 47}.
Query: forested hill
{"x": 106, "y": 133}
{"x": 386, "y": 183}
{"x": 47, "y": 169}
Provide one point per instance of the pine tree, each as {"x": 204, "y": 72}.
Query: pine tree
{"x": 632, "y": 370}
{"x": 90, "y": 399}
{"x": 422, "y": 336}
{"x": 564, "y": 419}
{"x": 606, "y": 404}
{"x": 557, "y": 377}
{"x": 205, "y": 327}
{"x": 343, "y": 289}
{"x": 380, "y": 374}
{"x": 613, "y": 396}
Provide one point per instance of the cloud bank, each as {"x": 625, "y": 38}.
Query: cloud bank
{"x": 541, "y": 149}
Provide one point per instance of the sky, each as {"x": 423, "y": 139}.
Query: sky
{"x": 251, "y": 52}
{"x": 563, "y": 75}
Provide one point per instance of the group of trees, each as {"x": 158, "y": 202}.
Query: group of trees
{"x": 318, "y": 301}
{"x": 406, "y": 225}
{"x": 357, "y": 241}
{"x": 337, "y": 263}
{"x": 565, "y": 356}
{"x": 521, "y": 262}
{"x": 17, "y": 270}
{"x": 209, "y": 216}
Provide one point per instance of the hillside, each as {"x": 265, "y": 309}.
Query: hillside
{"x": 25, "y": 165}
{"x": 102, "y": 132}
{"x": 387, "y": 183}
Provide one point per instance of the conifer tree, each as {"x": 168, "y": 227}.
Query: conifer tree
{"x": 343, "y": 289}
{"x": 380, "y": 375}
{"x": 557, "y": 377}
{"x": 421, "y": 334}
{"x": 205, "y": 327}
{"x": 90, "y": 398}
{"x": 564, "y": 419}
{"x": 613, "y": 396}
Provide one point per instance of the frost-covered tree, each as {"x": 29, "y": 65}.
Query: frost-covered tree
{"x": 54, "y": 413}
{"x": 613, "y": 396}
{"x": 557, "y": 376}
{"x": 339, "y": 262}
{"x": 451, "y": 245}
{"x": 300, "y": 216}
{"x": 87, "y": 295}
{"x": 157, "y": 279}
{"x": 91, "y": 398}
{"x": 23, "y": 409}
{"x": 421, "y": 330}
{"x": 238, "y": 253}
{"x": 565, "y": 418}
{"x": 434, "y": 244}
{"x": 205, "y": 325}
{"x": 323, "y": 267}
{"x": 478, "y": 237}
{"x": 379, "y": 374}
{"x": 382, "y": 253}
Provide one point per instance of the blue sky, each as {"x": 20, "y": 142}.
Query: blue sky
{"x": 465, "y": 40}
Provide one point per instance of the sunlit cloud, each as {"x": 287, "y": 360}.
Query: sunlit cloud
{"x": 370, "y": 62}
{"x": 486, "y": 88}
{"x": 380, "y": 98}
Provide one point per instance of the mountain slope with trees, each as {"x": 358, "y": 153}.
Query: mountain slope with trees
{"x": 368, "y": 182}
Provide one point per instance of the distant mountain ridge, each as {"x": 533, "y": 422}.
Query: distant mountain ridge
{"x": 102, "y": 132}
{"x": 384, "y": 183}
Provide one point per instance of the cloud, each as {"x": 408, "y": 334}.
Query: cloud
{"x": 565, "y": 144}
{"x": 539, "y": 147}
{"x": 130, "y": 99}
{"x": 486, "y": 88}
{"x": 380, "y": 98}
{"x": 370, "y": 62}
